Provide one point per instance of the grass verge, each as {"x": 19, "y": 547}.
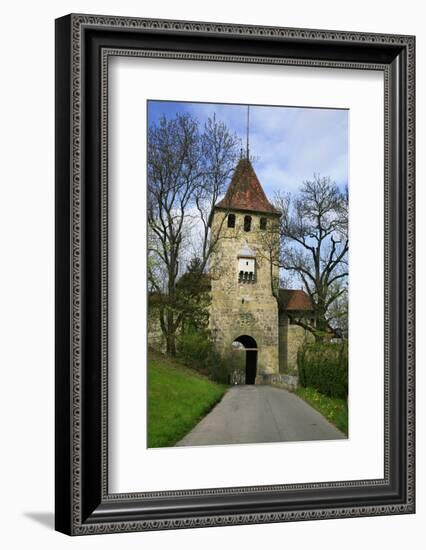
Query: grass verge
{"x": 335, "y": 410}
{"x": 178, "y": 398}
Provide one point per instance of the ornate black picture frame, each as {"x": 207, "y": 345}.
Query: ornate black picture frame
{"x": 83, "y": 46}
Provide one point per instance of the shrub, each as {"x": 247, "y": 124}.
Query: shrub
{"x": 196, "y": 350}
{"x": 218, "y": 368}
{"x": 193, "y": 348}
{"x": 324, "y": 366}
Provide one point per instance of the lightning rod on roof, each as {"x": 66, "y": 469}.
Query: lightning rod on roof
{"x": 248, "y": 127}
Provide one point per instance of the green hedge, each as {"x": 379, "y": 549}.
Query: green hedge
{"x": 196, "y": 350}
{"x": 324, "y": 366}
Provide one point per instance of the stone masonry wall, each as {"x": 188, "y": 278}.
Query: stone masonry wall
{"x": 291, "y": 337}
{"x": 243, "y": 308}
{"x": 156, "y": 338}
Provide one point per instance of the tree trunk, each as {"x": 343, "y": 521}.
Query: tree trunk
{"x": 169, "y": 331}
{"x": 170, "y": 335}
{"x": 171, "y": 344}
{"x": 321, "y": 321}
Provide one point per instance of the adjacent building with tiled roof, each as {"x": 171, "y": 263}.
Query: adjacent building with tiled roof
{"x": 294, "y": 300}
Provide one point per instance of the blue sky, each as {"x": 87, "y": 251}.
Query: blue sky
{"x": 289, "y": 144}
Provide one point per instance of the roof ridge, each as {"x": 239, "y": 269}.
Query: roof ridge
{"x": 245, "y": 191}
{"x": 295, "y": 299}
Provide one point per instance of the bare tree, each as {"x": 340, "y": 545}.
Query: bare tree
{"x": 219, "y": 154}
{"x": 173, "y": 173}
{"x": 187, "y": 172}
{"x": 314, "y": 245}
{"x": 270, "y": 252}
{"x": 338, "y": 311}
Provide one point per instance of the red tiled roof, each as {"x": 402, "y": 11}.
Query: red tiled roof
{"x": 295, "y": 300}
{"x": 245, "y": 191}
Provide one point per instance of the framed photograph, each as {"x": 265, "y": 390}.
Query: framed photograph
{"x": 234, "y": 274}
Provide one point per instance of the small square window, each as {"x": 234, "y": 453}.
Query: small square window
{"x": 247, "y": 223}
{"x": 231, "y": 220}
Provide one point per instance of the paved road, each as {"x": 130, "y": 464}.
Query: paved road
{"x": 260, "y": 414}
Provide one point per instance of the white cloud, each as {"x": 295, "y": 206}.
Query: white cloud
{"x": 289, "y": 144}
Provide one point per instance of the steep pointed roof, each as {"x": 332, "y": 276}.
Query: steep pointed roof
{"x": 245, "y": 191}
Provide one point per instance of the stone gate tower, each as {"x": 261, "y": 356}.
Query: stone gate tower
{"x": 243, "y": 306}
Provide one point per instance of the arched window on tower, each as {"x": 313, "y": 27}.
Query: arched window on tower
{"x": 262, "y": 224}
{"x": 231, "y": 220}
{"x": 247, "y": 223}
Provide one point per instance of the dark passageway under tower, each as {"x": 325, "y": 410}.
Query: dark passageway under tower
{"x": 251, "y": 357}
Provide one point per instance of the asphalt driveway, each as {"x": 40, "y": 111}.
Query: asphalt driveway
{"x": 260, "y": 414}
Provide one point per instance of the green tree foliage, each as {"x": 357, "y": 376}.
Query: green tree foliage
{"x": 196, "y": 350}
{"x": 193, "y": 297}
{"x": 324, "y": 366}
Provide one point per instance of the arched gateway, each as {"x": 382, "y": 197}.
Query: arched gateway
{"x": 249, "y": 347}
